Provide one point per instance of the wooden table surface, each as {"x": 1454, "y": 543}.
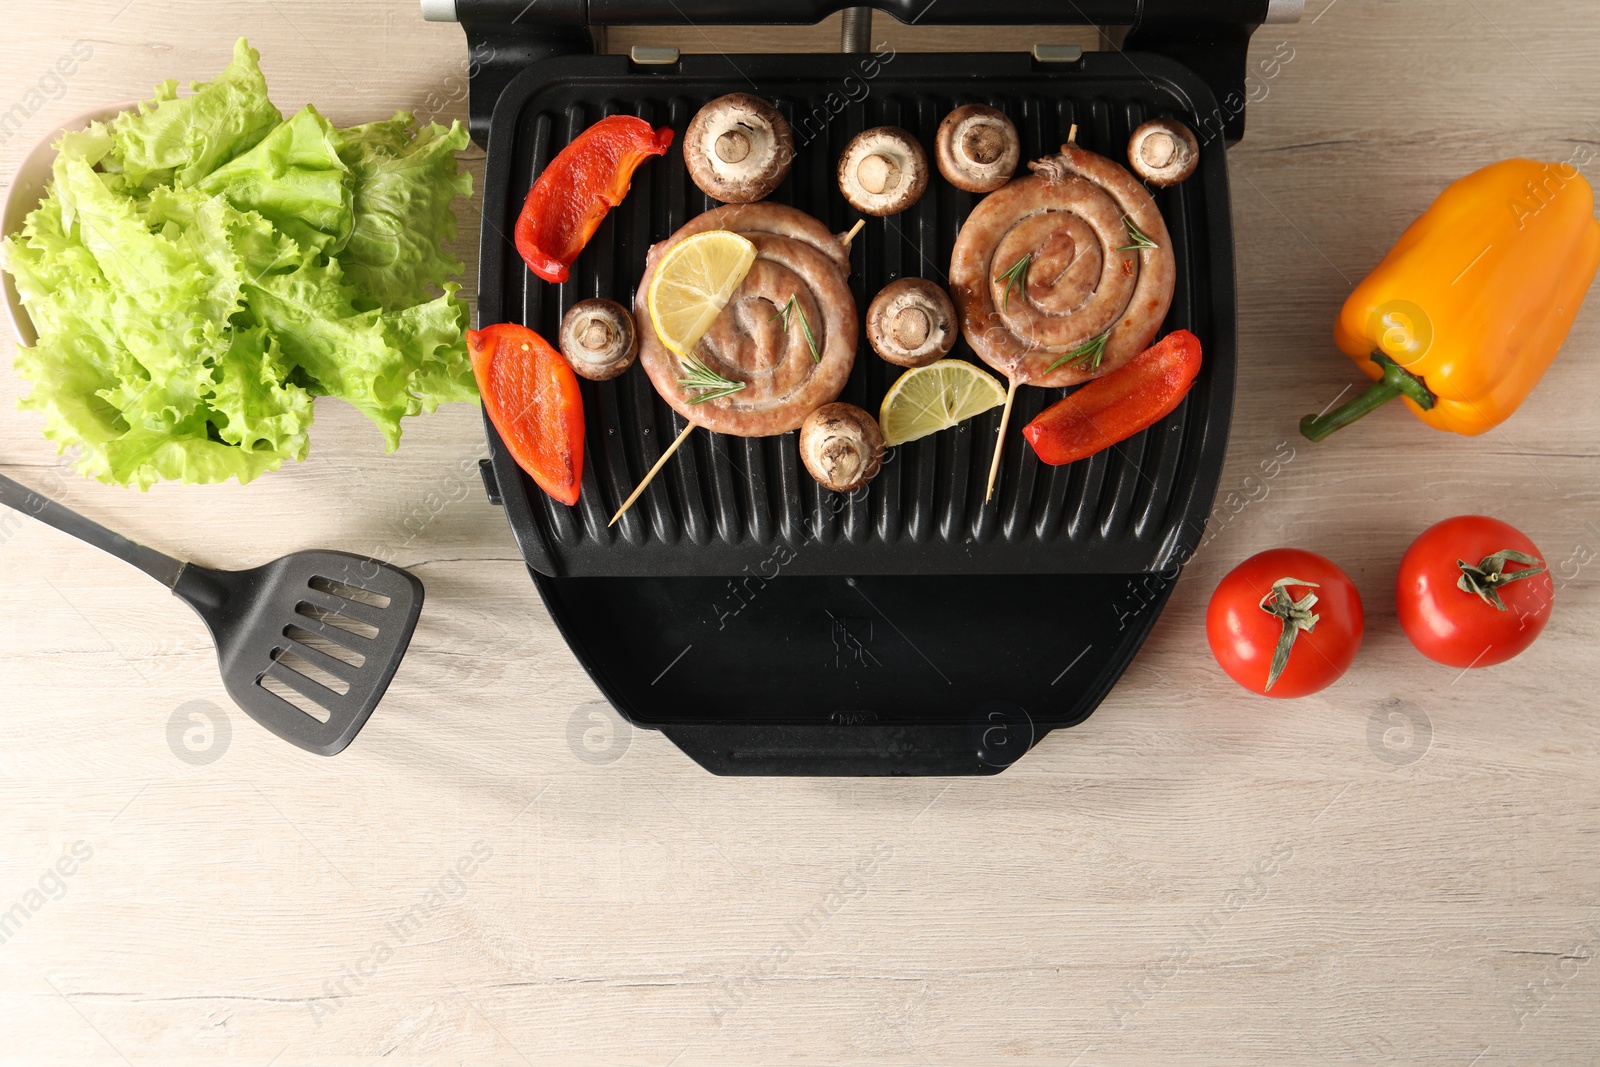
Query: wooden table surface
{"x": 1402, "y": 868}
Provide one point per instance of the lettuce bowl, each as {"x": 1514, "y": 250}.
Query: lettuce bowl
{"x": 197, "y": 272}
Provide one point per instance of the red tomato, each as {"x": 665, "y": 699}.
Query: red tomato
{"x": 1245, "y": 634}
{"x": 1460, "y": 627}
{"x": 532, "y": 398}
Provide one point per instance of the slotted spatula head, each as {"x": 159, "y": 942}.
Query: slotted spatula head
{"x": 326, "y": 630}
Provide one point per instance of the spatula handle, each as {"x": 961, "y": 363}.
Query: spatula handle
{"x": 162, "y": 568}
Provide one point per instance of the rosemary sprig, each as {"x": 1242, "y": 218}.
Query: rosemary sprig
{"x": 1139, "y": 238}
{"x": 713, "y": 386}
{"x": 1016, "y": 275}
{"x": 1087, "y": 354}
{"x": 811, "y": 340}
{"x": 786, "y": 312}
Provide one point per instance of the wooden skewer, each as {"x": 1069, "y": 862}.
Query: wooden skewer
{"x": 1011, "y": 392}
{"x": 851, "y": 236}
{"x": 1000, "y": 439}
{"x": 649, "y": 477}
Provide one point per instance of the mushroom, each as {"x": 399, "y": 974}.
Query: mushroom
{"x": 841, "y": 446}
{"x": 911, "y": 322}
{"x": 599, "y": 339}
{"x": 883, "y": 171}
{"x": 977, "y": 148}
{"x": 738, "y": 148}
{"x": 1163, "y": 152}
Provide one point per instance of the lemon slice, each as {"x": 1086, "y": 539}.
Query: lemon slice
{"x": 693, "y": 283}
{"x": 928, "y": 399}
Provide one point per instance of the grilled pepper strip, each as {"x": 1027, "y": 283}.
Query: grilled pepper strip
{"x": 532, "y": 398}
{"x": 1470, "y": 307}
{"x": 1116, "y": 406}
{"x": 571, "y": 196}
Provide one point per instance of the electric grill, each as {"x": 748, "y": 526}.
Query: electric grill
{"x": 769, "y": 626}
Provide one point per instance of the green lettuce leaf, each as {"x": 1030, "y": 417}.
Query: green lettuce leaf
{"x": 259, "y": 410}
{"x": 139, "y": 363}
{"x": 385, "y": 364}
{"x": 173, "y": 140}
{"x": 405, "y": 182}
{"x": 343, "y": 351}
{"x": 295, "y": 179}
{"x": 431, "y": 336}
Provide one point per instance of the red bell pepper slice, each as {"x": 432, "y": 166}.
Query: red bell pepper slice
{"x": 571, "y": 196}
{"x": 1113, "y": 408}
{"x": 532, "y": 398}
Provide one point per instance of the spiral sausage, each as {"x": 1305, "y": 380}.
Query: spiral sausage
{"x": 1082, "y": 281}
{"x": 796, "y": 257}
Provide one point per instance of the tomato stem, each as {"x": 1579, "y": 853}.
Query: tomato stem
{"x": 1396, "y": 381}
{"x": 1490, "y": 574}
{"x": 1296, "y": 615}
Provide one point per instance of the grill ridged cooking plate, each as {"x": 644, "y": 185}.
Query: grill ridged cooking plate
{"x": 725, "y": 503}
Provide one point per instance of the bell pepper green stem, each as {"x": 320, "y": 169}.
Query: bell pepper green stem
{"x": 1396, "y": 381}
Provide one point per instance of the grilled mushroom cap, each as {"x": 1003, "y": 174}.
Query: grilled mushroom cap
{"x": 912, "y": 322}
{"x": 977, "y": 148}
{"x": 883, "y": 171}
{"x": 1163, "y": 152}
{"x": 738, "y": 148}
{"x": 599, "y": 339}
{"x": 841, "y": 446}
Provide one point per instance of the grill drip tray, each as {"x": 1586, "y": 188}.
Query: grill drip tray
{"x": 768, "y": 627}
{"x": 856, "y": 676}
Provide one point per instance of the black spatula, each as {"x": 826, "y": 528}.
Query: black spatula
{"x": 365, "y": 609}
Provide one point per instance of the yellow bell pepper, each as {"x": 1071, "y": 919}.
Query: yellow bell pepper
{"x": 1470, "y": 306}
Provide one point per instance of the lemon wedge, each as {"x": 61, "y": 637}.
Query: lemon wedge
{"x": 928, "y": 399}
{"x": 693, "y": 283}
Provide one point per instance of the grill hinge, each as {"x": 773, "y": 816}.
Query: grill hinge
{"x": 491, "y": 487}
